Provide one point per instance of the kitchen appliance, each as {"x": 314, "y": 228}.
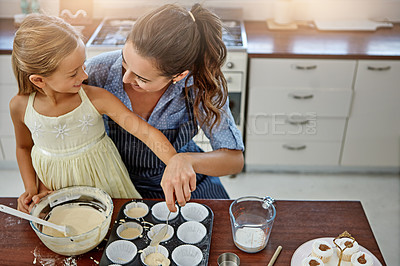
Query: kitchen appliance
{"x": 112, "y": 32}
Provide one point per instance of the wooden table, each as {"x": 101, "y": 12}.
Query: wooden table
{"x": 296, "y": 222}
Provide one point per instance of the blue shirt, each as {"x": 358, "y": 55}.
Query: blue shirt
{"x": 105, "y": 70}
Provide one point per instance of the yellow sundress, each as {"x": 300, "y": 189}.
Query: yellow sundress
{"x": 74, "y": 150}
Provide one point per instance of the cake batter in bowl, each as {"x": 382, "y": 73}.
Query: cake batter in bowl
{"x": 87, "y": 209}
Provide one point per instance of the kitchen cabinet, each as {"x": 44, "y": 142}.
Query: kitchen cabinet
{"x": 297, "y": 111}
{"x": 8, "y": 88}
{"x": 373, "y": 131}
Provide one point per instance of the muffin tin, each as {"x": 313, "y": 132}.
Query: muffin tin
{"x": 149, "y": 221}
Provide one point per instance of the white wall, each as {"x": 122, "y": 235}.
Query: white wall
{"x": 252, "y": 9}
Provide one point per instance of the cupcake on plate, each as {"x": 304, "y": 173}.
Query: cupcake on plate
{"x": 361, "y": 259}
{"x": 322, "y": 249}
{"x": 312, "y": 261}
{"x": 352, "y": 248}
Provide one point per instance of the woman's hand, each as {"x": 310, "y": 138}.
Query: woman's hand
{"x": 178, "y": 181}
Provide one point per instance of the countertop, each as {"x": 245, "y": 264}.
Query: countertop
{"x": 305, "y": 42}
{"x": 308, "y": 42}
{"x": 296, "y": 223}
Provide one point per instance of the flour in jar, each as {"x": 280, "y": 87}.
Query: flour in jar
{"x": 81, "y": 218}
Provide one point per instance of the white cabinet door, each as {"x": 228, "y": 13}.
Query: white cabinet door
{"x": 8, "y": 88}
{"x": 320, "y": 102}
{"x": 297, "y": 111}
{"x": 303, "y": 153}
{"x": 301, "y": 73}
{"x": 373, "y": 132}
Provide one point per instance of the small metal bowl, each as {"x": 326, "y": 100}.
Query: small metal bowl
{"x": 228, "y": 259}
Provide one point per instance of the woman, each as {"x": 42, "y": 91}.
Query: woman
{"x": 169, "y": 73}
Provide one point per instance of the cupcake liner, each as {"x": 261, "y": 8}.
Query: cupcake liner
{"x": 160, "y": 211}
{"x": 187, "y": 255}
{"x": 368, "y": 259}
{"x": 191, "y": 232}
{"x": 319, "y": 252}
{"x": 194, "y": 212}
{"x": 309, "y": 261}
{"x": 150, "y": 249}
{"x": 141, "y": 208}
{"x": 121, "y": 251}
{"x": 348, "y": 252}
{"x": 127, "y": 226}
{"x": 155, "y": 229}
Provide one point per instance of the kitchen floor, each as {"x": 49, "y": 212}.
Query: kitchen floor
{"x": 378, "y": 193}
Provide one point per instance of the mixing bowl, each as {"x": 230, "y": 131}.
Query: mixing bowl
{"x": 74, "y": 196}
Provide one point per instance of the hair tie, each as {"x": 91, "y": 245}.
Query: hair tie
{"x": 190, "y": 13}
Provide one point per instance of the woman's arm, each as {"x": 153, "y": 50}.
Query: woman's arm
{"x": 24, "y": 144}
{"x": 108, "y": 104}
{"x": 179, "y": 178}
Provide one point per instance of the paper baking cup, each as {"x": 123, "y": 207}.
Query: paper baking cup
{"x": 187, "y": 255}
{"x": 160, "y": 211}
{"x": 155, "y": 229}
{"x": 306, "y": 261}
{"x": 136, "y": 205}
{"x": 149, "y": 250}
{"x": 128, "y": 225}
{"x": 121, "y": 251}
{"x": 194, "y": 212}
{"x": 191, "y": 232}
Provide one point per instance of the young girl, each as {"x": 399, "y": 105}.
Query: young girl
{"x": 169, "y": 73}
{"x": 58, "y": 122}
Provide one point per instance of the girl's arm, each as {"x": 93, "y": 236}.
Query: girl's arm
{"x": 179, "y": 178}
{"x": 108, "y": 104}
{"x": 23, "y": 151}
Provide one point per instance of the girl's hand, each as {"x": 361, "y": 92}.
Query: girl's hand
{"x": 25, "y": 200}
{"x": 178, "y": 181}
{"x": 38, "y": 197}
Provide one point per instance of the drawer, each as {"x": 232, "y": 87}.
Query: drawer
{"x": 262, "y": 153}
{"x": 234, "y": 81}
{"x": 8, "y": 145}
{"x": 6, "y": 73}
{"x": 7, "y": 91}
{"x": 322, "y": 102}
{"x": 6, "y": 125}
{"x": 306, "y": 127}
{"x": 301, "y": 73}
{"x": 235, "y": 61}
{"x": 378, "y": 75}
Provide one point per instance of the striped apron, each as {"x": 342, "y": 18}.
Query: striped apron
{"x": 146, "y": 169}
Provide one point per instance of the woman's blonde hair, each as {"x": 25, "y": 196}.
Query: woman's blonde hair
{"x": 40, "y": 44}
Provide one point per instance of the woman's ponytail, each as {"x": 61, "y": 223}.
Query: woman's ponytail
{"x": 209, "y": 81}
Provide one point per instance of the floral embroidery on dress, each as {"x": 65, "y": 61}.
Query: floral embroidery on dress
{"x": 61, "y": 131}
{"x": 85, "y": 123}
{"x": 36, "y": 129}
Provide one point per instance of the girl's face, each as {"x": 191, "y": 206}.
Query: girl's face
{"x": 70, "y": 73}
{"x": 140, "y": 72}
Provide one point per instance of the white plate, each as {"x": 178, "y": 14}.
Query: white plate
{"x": 305, "y": 250}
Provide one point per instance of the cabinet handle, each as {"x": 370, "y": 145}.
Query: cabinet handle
{"x": 379, "y": 68}
{"x": 293, "y": 147}
{"x": 229, "y": 80}
{"x": 298, "y": 122}
{"x": 301, "y": 97}
{"x": 305, "y": 67}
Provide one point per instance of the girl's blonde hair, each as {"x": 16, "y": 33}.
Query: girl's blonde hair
{"x": 40, "y": 44}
